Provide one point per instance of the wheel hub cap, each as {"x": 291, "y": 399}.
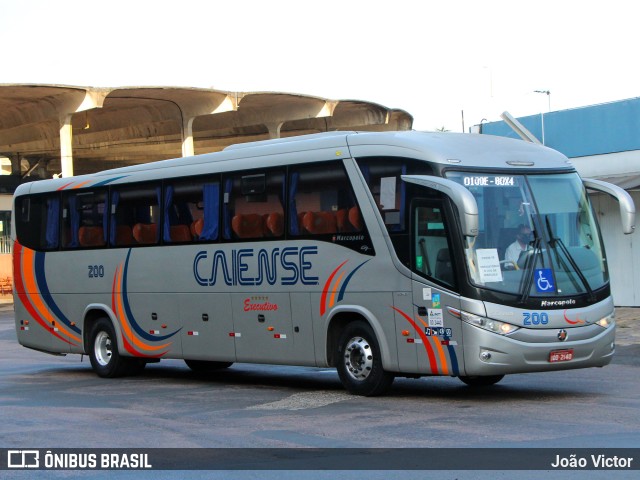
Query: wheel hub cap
{"x": 358, "y": 358}
{"x": 102, "y": 348}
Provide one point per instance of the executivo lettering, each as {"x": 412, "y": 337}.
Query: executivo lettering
{"x": 265, "y": 306}
{"x": 246, "y": 266}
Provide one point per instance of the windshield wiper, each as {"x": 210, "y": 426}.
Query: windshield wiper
{"x": 529, "y": 268}
{"x": 558, "y": 241}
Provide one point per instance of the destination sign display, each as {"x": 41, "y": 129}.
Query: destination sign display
{"x": 489, "y": 181}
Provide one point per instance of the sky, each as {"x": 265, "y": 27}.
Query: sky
{"x": 434, "y": 59}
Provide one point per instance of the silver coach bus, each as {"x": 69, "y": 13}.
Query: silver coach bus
{"x": 379, "y": 254}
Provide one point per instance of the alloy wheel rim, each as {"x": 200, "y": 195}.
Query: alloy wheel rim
{"x": 358, "y": 358}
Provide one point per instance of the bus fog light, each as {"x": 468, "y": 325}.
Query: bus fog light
{"x": 486, "y": 356}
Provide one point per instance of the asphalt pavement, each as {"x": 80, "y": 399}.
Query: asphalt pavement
{"x": 628, "y": 326}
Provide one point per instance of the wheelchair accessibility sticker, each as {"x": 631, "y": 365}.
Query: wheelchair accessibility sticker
{"x": 544, "y": 280}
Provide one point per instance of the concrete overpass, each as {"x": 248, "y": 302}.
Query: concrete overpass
{"x": 48, "y": 130}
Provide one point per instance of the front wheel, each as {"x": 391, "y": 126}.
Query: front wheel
{"x": 481, "y": 381}
{"x": 359, "y": 361}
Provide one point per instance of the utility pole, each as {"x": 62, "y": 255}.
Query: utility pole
{"x": 548, "y": 94}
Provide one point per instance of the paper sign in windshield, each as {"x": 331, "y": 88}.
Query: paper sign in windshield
{"x": 489, "y": 265}
{"x": 388, "y": 193}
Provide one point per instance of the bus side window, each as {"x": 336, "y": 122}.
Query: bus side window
{"x": 38, "y": 221}
{"x": 135, "y": 215}
{"x": 191, "y": 211}
{"x": 388, "y": 190}
{"x": 84, "y": 219}
{"x": 321, "y": 201}
{"x": 253, "y": 205}
{"x": 432, "y": 256}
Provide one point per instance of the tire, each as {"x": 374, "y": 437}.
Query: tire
{"x": 105, "y": 358}
{"x": 204, "y": 366}
{"x": 481, "y": 381}
{"x": 359, "y": 361}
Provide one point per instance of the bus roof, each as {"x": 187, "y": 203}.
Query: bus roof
{"x": 462, "y": 149}
{"x": 444, "y": 148}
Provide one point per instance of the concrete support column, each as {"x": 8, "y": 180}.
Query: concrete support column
{"x": 66, "y": 149}
{"x": 274, "y": 129}
{"x": 15, "y": 165}
{"x": 187, "y": 137}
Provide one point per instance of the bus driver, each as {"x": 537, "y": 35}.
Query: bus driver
{"x": 523, "y": 238}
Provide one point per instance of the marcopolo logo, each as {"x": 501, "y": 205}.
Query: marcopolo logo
{"x": 23, "y": 459}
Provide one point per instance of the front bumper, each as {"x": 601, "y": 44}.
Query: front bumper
{"x": 487, "y": 353}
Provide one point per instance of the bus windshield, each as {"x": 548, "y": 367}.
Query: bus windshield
{"x": 537, "y": 235}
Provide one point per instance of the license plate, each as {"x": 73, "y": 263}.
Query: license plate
{"x": 561, "y": 356}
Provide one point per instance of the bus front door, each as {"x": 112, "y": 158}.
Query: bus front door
{"x": 434, "y": 299}
{"x": 440, "y": 332}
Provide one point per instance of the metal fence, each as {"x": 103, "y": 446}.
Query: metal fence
{"x": 6, "y": 246}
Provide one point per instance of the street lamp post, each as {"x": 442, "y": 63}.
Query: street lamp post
{"x": 548, "y": 94}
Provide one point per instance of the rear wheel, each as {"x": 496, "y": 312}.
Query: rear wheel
{"x": 105, "y": 358}
{"x": 477, "y": 381}
{"x": 359, "y": 361}
{"x": 204, "y": 366}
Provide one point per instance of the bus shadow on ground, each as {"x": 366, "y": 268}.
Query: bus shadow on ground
{"x": 539, "y": 386}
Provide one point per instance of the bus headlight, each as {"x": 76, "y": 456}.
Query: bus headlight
{"x": 606, "y": 322}
{"x": 490, "y": 324}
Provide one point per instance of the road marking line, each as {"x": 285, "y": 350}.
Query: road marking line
{"x": 302, "y": 401}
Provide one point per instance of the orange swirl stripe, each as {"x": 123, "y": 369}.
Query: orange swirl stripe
{"x": 65, "y": 186}
{"x": 81, "y": 184}
{"x": 325, "y": 290}
{"x": 578, "y": 320}
{"x": 436, "y": 340}
{"x": 433, "y": 363}
{"x": 332, "y": 300}
{"x": 35, "y": 298}
{"x": 126, "y": 328}
{"x": 114, "y": 309}
{"x": 22, "y": 291}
